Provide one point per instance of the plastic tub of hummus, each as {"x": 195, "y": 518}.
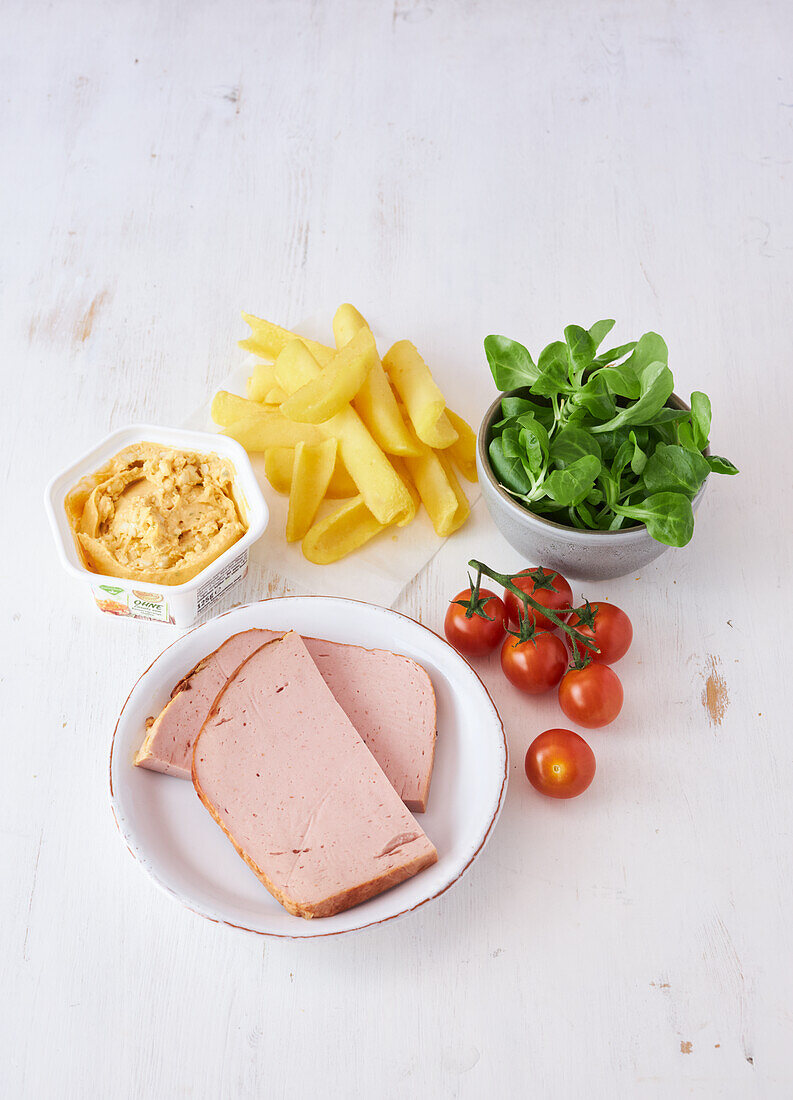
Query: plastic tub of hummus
{"x": 158, "y": 521}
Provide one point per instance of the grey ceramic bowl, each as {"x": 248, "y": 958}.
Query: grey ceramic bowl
{"x": 583, "y": 555}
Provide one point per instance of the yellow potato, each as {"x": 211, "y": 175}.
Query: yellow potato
{"x": 276, "y": 396}
{"x": 343, "y": 531}
{"x": 259, "y": 433}
{"x": 402, "y": 472}
{"x": 311, "y": 474}
{"x": 439, "y": 490}
{"x": 268, "y": 340}
{"x": 346, "y": 322}
{"x": 463, "y": 507}
{"x": 337, "y": 385}
{"x": 278, "y": 464}
{"x": 423, "y": 400}
{"x": 261, "y": 381}
{"x": 383, "y": 491}
{"x": 463, "y": 450}
{"x": 258, "y": 426}
{"x": 374, "y": 402}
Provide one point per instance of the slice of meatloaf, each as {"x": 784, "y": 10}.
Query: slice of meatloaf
{"x": 388, "y": 698}
{"x": 284, "y": 773}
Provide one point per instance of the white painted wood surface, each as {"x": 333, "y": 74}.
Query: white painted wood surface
{"x": 454, "y": 169}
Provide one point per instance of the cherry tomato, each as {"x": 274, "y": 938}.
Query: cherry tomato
{"x": 613, "y": 632}
{"x": 555, "y": 598}
{"x": 534, "y": 666}
{"x": 476, "y": 636}
{"x": 560, "y": 764}
{"x": 591, "y": 696}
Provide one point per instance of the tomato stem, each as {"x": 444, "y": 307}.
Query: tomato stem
{"x": 506, "y": 580}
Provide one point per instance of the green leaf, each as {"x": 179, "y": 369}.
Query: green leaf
{"x": 650, "y": 348}
{"x": 721, "y": 465}
{"x": 596, "y": 398}
{"x": 533, "y": 441}
{"x": 610, "y": 486}
{"x": 668, "y": 415}
{"x": 508, "y": 471}
{"x": 529, "y": 423}
{"x": 615, "y": 353}
{"x": 656, "y": 384}
{"x": 621, "y": 459}
{"x": 517, "y": 406}
{"x": 552, "y": 366}
{"x": 621, "y": 379}
{"x": 571, "y": 443}
{"x": 700, "y": 418}
{"x": 571, "y": 485}
{"x": 580, "y": 350}
{"x": 510, "y": 363}
{"x": 610, "y": 442}
{"x": 587, "y": 515}
{"x": 669, "y": 517}
{"x": 675, "y": 469}
{"x": 600, "y": 331}
{"x": 685, "y": 436}
{"x": 510, "y": 441}
{"x": 638, "y": 458}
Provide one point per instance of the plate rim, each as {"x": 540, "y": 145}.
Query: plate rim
{"x": 340, "y": 931}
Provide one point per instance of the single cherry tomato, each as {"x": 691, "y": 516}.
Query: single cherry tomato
{"x": 591, "y": 696}
{"x": 472, "y": 634}
{"x": 613, "y": 632}
{"x": 536, "y": 665}
{"x": 546, "y": 587}
{"x": 560, "y": 764}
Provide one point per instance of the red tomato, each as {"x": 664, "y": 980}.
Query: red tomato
{"x": 613, "y": 632}
{"x": 534, "y": 666}
{"x": 591, "y": 696}
{"x": 560, "y": 764}
{"x": 555, "y": 598}
{"x": 474, "y": 635}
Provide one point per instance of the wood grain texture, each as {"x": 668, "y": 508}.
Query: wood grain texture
{"x": 454, "y": 169}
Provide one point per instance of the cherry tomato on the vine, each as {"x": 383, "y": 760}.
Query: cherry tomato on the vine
{"x": 560, "y": 764}
{"x": 535, "y": 665}
{"x": 546, "y": 587}
{"x": 591, "y": 696}
{"x": 612, "y": 634}
{"x": 472, "y": 634}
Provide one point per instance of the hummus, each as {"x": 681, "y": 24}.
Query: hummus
{"x": 155, "y": 514}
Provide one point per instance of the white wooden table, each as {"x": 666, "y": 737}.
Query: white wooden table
{"x": 454, "y": 169}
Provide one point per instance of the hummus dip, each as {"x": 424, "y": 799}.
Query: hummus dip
{"x": 155, "y": 514}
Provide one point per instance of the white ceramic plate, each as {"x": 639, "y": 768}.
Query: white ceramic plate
{"x": 172, "y": 836}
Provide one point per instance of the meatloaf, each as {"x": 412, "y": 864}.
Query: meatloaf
{"x": 284, "y": 773}
{"x": 388, "y": 698}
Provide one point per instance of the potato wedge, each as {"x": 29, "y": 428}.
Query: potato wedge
{"x": 311, "y": 474}
{"x": 261, "y": 381}
{"x": 422, "y": 398}
{"x": 374, "y": 402}
{"x": 346, "y": 322}
{"x": 278, "y": 465}
{"x": 259, "y": 433}
{"x": 337, "y": 385}
{"x": 383, "y": 491}
{"x": 268, "y": 340}
{"x": 439, "y": 490}
{"x": 402, "y": 472}
{"x": 463, "y": 451}
{"x": 275, "y": 396}
{"x": 341, "y": 532}
{"x": 463, "y": 507}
